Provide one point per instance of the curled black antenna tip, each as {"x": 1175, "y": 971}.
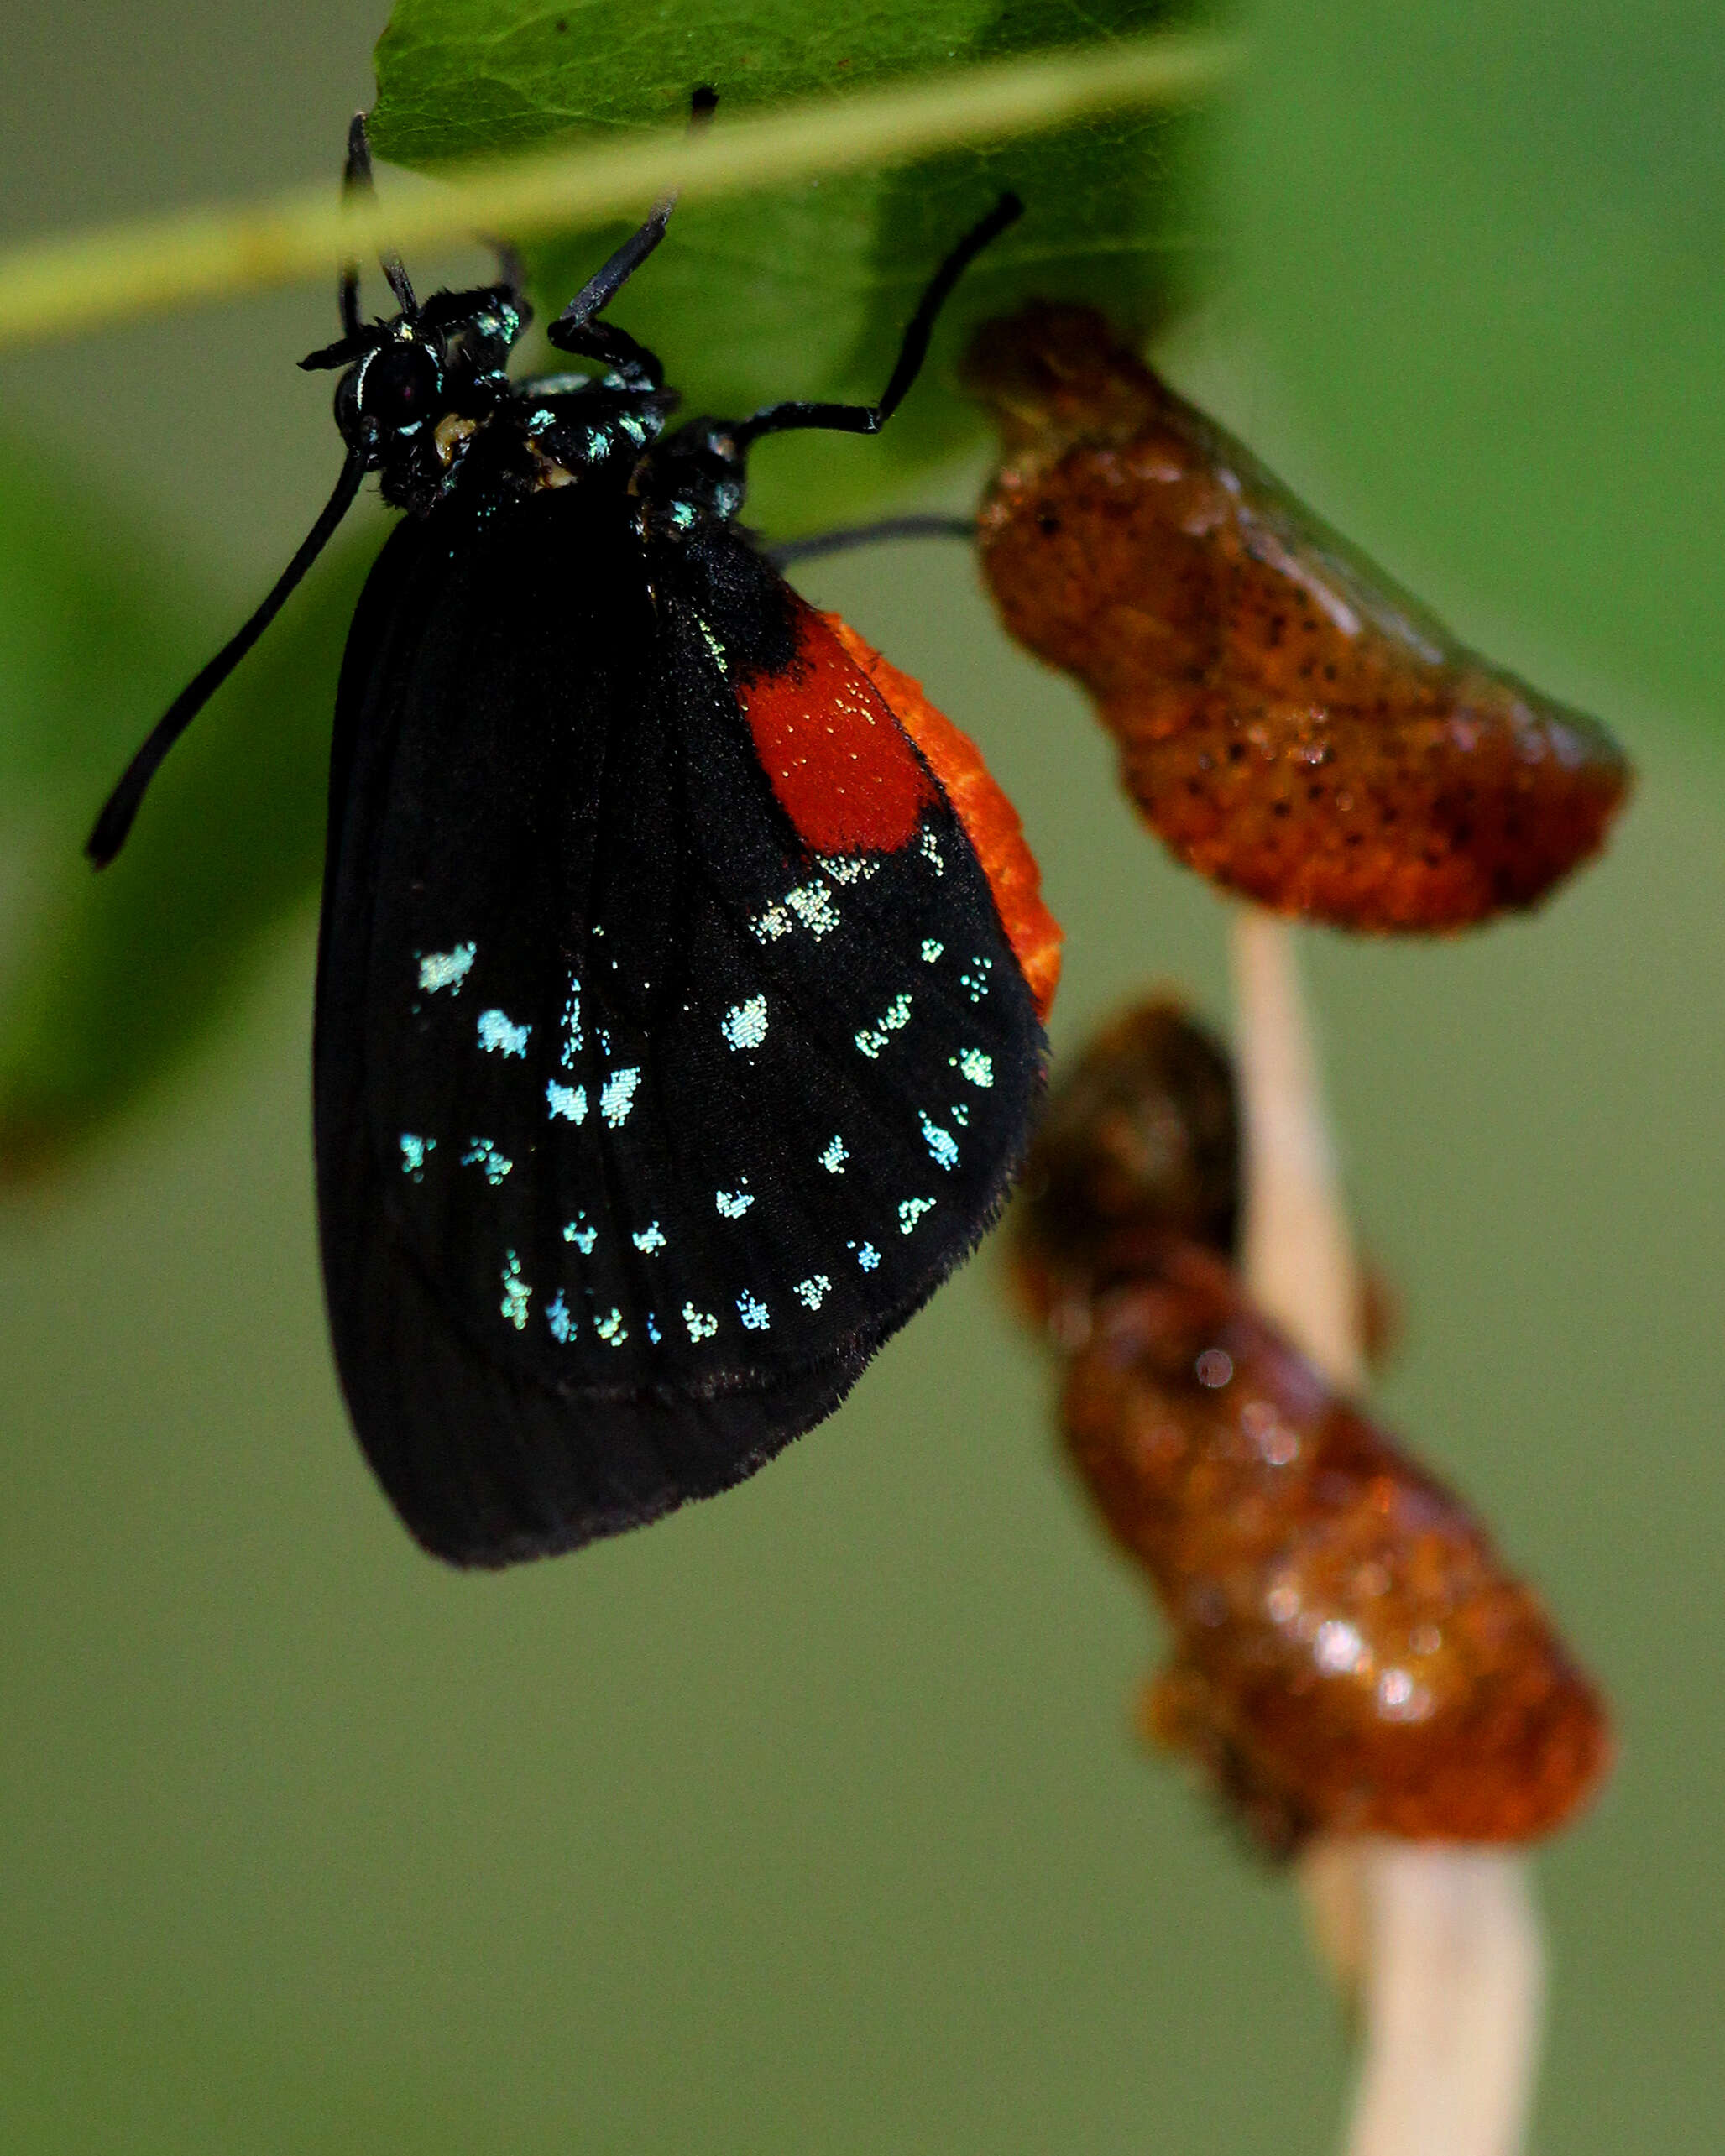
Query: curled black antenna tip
{"x": 105, "y": 840}
{"x": 703, "y": 101}
{"x": 1005, "y": 213}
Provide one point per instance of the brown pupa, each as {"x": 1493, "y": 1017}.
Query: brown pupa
{"x": 1292, "y": 725}
{"x": 1350, "y": 1654}
{"x": 1139, "y": 1144}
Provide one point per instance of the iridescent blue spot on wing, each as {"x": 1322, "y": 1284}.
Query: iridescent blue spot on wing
{"x": 753, "y": 1313}
{"x": 744, "y": 1025}
{"x": 516, "y": 1293}
{"x": 872, "y": 1039}
{"x": 808, "y": 904}
{"x": 482, "y": 1153}
{"x": 813, "y": 908}
{"x": 498, "y": 1037}
{"x": 942, "y": 1145}
{"x": 440, "y": 969}
{"x": 910, "y": 1210}
{"x": 619, "y": 1096}
{"x": 570, "y": 1024}
{"x": 834, "y": 1155}
{"x": 714, "y": 644}
{"x": 413, "y": 1154}
{"x": 849, "y": 867}
{"x": 567, "y": 1101}
{"x": 649, "y": 1240}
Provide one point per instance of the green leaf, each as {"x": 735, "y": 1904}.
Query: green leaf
{"x": 110, "y": 978}
{"x": 803, "y": 293}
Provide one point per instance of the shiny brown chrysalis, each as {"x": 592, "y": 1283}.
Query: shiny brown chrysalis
{"x": 1292, "y": 725}
{"x": 1350, "y": 1656}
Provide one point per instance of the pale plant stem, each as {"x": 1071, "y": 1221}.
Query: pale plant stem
{"x": 1436, "y": 1945}
{"x": 56, "y": 287}
{"x": 1297, "y": 1250}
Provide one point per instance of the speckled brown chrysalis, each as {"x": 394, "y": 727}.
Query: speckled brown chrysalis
{"x": 1350, "y": 1655}
{"x": 1292, "y": 724}
{"x": 1139, "y": 1144}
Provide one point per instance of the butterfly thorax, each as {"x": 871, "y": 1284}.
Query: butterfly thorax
{"x": 563, "y": 431}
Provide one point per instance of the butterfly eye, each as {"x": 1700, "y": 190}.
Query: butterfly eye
{"x": 400, "y": 386}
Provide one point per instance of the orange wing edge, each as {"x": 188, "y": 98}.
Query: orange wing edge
{"x": 990, "y": 821}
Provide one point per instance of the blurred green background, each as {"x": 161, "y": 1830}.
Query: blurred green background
{"x": 811, "y": 1818}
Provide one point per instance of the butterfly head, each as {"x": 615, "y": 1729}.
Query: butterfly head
{"x": 414, "y": 388}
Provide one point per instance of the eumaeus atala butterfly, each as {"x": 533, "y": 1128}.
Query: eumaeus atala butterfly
{"x": 681, "y": 971}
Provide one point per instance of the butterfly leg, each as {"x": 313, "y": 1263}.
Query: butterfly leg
{"x": 575, "y": 329}
{"x": 883, "y": 531}
{"x": 604, "y": 341}
{"x": 869, "y": 419}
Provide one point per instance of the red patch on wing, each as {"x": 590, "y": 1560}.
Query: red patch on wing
{"x": 840, "y": 765}
{"x": 990, "y": 820}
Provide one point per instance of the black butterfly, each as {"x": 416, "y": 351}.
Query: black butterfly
{"x": 681, "y": 972}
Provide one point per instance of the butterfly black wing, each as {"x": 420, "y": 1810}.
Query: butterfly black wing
{"x": 640, "y": 1125}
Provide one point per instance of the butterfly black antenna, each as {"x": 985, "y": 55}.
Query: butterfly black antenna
{"x": 869, "y": 419}
{"x": 115, "y": 820}
{"x": 511, "y": 272}
{"x": 122, "y": 805}
{"x": 357, "y": 179}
